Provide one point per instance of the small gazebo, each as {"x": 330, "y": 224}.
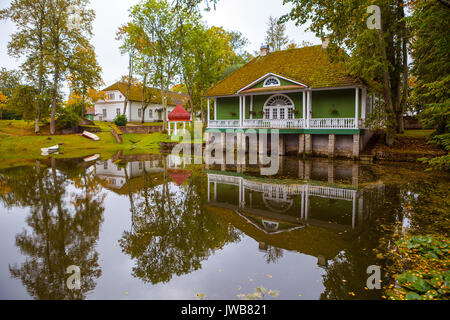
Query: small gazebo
{"x": 179, "y": 115}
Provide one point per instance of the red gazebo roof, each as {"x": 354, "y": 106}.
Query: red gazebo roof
{"x": 179, "y": 114}
{"x": 179, "y": 176}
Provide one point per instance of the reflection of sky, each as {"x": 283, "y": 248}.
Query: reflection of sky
{"x": 237, "y": 266}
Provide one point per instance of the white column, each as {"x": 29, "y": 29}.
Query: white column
{"x": 169, "y": 128}
{"x": 215, "y": 108}
{"x": 309, "y": 105}
{"x": 207, "y": 99}
{"x": 209, "y": 190}
{"x": 364, "y": 104}
{"x": 240, "y": 111}
{"x": 356, "y": 108}
{"x": 176, "y": 128}
{"x": 304, "y": 109}
{"x": 243, "y": 109}
{"x": 354, "y": 211}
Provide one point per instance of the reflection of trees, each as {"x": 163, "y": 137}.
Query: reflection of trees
{"x": 273, "y": 254}
{"x": 172, "y": 232}
{"x": 64, "y": 229}
{"x": 346, "y": 275}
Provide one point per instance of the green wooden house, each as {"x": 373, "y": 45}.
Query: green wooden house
{"x": 315, "y": 104}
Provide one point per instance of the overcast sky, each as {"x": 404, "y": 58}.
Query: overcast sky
{"x": 247, "y": 16}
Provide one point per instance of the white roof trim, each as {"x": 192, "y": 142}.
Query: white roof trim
{"x": 270, "y": 75}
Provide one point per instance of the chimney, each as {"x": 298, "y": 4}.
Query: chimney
{"x": 265, "y": 50}
{"x": 325, "y": 42}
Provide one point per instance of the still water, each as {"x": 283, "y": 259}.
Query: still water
{"x": 154, "y": 227}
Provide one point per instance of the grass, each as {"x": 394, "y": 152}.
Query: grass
{"x": 18, "y": 143}
{"x": 418, "y": 134}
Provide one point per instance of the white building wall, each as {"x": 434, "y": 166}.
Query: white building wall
{"x": 132, "y": 112}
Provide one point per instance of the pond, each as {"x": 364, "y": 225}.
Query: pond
{"x": 157, "y": 227}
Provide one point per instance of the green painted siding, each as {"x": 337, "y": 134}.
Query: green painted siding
{"x": 224, "y": 108}
{"x": 342, "y": 100}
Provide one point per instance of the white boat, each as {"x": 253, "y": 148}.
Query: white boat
{"x": 92, "y": 158}
{"x": 47, "y": 151}
{"x": 90, "y": 136}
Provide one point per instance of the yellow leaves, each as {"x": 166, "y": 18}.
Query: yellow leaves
{"x": 3, "y": 98}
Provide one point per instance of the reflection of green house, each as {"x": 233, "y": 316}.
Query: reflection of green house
{"x": 297, "y": 217}
{"x": 313, "y": 102}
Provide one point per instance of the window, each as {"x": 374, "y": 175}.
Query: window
{"x": 104, "y": 113}
{"x": 272, "y": 82}
{"x": 279, "y": 101}
{"x": 139, "y": 112}
{"x": 111, "y": 96}
{"x": 279, "y": 107}
{"x": 274, "y": 114}
{"x": 290, "y": 113}
{"x": 150, "y": 113}
{"x": 105, "y": 165}
{"x": 118, "y": 111}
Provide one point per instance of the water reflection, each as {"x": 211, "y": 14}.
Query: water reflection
{"x": 325, "y": 215}
{"x": 63, "y": 228}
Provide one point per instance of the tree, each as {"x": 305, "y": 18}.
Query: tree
{"x": 156, "y": 30}
{"x": 63, "y": 37}
{"x": 202, "y": 67}
{"x": 3, "y": 99}
{"x": 23, "y": 101}
{"x": 9, "y": 80}
{"x": 275, "y": 35}
{"x": 378, "y": 56}
{"x": 85, "y": 73}
{"x": 30, "y": 18}
{"x": 430, "y": 46}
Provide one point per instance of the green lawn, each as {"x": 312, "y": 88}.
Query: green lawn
{"x": 18, "y": 143}
{"x": 418, "y": 134}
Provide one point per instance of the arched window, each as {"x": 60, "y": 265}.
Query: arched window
{"x": 279, "y": 107}
{"x": 272, "y": 82}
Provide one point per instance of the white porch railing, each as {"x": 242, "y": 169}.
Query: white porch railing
{"x": 224, "y": 123}
{"x": 274, "y": 124}
{"x": 332, "y": 123}
{"x": 325, "y": 123}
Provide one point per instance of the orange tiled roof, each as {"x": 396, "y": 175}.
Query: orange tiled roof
{"x": 136, "y": 94}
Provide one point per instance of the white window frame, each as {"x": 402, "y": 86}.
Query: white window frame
{"x": 287, "y": 109}
{"x": 272, "y": 85}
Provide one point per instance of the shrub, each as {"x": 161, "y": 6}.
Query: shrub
{"x": 120, "y": 120}
{"x": 67, "y": 118}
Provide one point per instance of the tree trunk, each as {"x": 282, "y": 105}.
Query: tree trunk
{"x": 82, "y": 106}
{"x": 54, "y": 100}
{"x": 130, "y": 75}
